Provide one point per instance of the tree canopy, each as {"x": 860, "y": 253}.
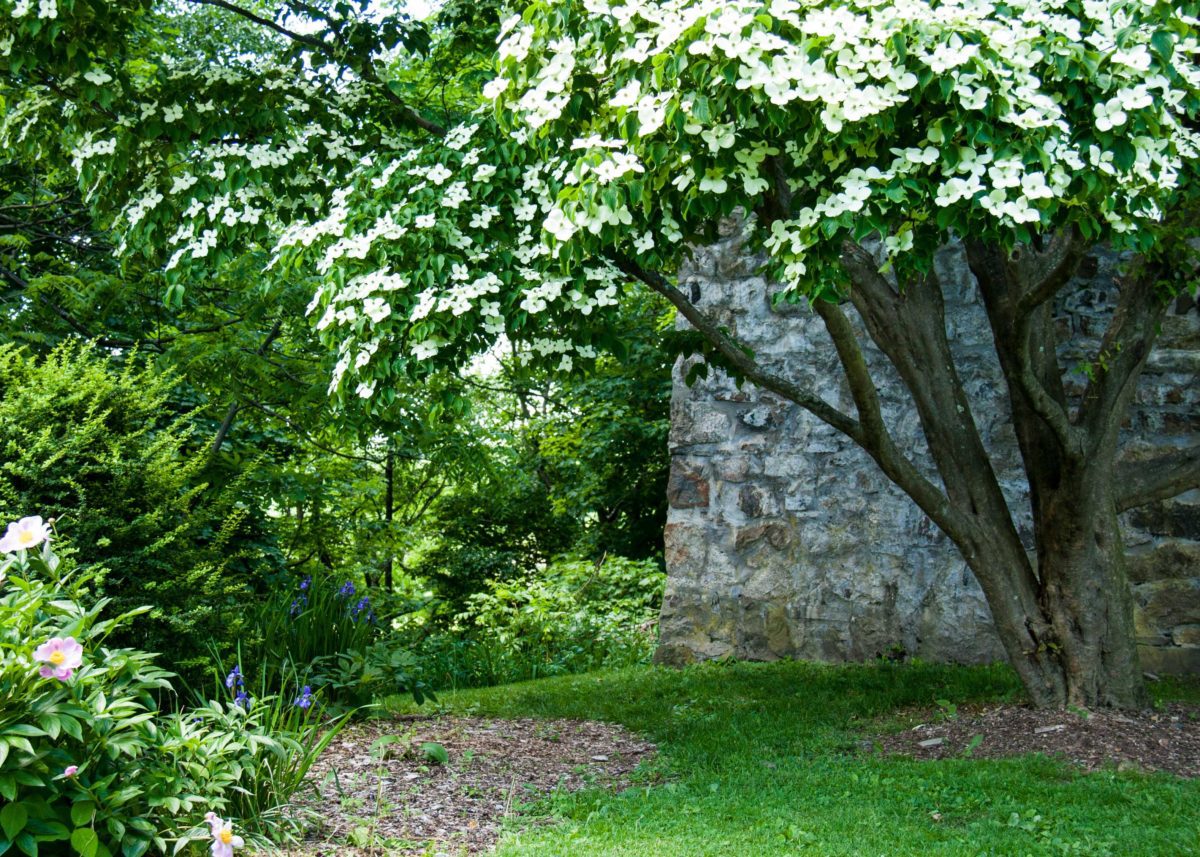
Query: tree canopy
{"x": 431, "y": 215}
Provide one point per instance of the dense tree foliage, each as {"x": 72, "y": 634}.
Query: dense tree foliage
{"x": 100, "y": 450}
{"x": 431, "y": 224}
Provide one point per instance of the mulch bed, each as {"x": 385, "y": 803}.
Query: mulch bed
{"x": 1166, "y": 740}
{"x": 396, "y": 800}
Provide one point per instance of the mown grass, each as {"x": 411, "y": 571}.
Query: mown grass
{"x": 767, "y": 759}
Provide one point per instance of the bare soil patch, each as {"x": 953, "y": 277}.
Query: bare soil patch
{"x": 1166, "y": 740}
{"x": 395, "y": 799}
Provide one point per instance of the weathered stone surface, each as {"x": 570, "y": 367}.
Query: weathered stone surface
{"x": 785, "y": 540}
{"x": 1164, "y": 559}
{"x": 686, "y": 487}
{"x": 1164, "y": 604}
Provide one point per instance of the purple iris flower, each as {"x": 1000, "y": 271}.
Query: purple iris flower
{"x": 234, "y": 677}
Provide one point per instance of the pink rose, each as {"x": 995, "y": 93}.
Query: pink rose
{"x": 60, "y": 656}
{"x": 70, "y": 770}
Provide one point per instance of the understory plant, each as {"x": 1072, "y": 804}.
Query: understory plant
{"x": 88, "y": 763}
{"x": 571, "y": 616}
{"x": 318, "y": 642}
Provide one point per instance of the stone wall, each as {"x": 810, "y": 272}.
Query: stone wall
{"x": 784, "y": 540}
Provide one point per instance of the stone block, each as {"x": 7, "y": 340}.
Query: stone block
{"x": 1163, "y": 604}
{"x": 1177, "y": 518}
{"x": 1164, "y": 559}
{"x": 686, "y": 488}
{"x": 1170, "y": 660}
{"x": 1186, "y": 635}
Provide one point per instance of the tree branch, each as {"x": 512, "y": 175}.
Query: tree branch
{"x": 737, "y": 356}
{"x": 1142, "y": 481}
{"x": 876, "y": 440}
{"x": 367, "y": 71}
{"x": 1127, "y": 343}
{"x": 1002, "y": 292}
{"x": 1047, "y": 271}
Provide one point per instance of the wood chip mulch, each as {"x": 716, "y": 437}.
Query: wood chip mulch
{"x": 396, "y": 800}
{"x": 1166, "y": 740}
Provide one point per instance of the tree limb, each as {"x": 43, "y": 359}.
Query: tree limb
{"x": 1159, "y": 478}
{"x": 1124, "y": 349}
{"x": 737, "y": 356}
{"x": 876, "y": 439}
{"x": 1002, "y": 292}
{"x": 367, "y": 72}
{"x": 1047, "y": 271}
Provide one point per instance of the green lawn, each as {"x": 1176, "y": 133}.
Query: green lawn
{"x": 765, "y": 759}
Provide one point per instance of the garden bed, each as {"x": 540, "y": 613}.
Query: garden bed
{"x": 379, "y": 791}
{"x": 1162, "y": 740}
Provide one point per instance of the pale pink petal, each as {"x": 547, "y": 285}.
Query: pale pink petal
{"x": 46, "y": 672}
{"x": 25, "y": 533}
{"x": 215, "y": 823}
{"x": 63, "y": 673}
{"x": 237, "y": 842}
{"x": 72, "y": 653}
{"x": 43, "y": 652}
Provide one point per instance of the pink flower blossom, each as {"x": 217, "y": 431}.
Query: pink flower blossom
{"x": 70, "y": 770}
{"x": 222, "y": 833}
{"x": 61, "y": 657}
{"x": 24, "y": 534}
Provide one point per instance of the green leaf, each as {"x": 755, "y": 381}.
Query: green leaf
{"x": 82, "y": 812}
{"x": 28, "y": 844}
{"x": 1162, "y": 44}
{"x": 85, "y": 841}
{"x": 435, "y": 752}
{"x": 135, "y": 847}
{"x": 13, "y": 818}
{"x": 24, "y": 729}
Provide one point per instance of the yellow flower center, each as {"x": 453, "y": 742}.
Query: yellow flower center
{"x": 226, "y": 836}
{"x": 26, "y": 537}
{"x": 57, "y": 658}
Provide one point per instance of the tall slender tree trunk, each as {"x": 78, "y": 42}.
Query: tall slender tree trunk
{"x": 389, "y": 511}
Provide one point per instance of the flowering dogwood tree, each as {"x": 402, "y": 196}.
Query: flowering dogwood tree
{"x": 855, "y": 136}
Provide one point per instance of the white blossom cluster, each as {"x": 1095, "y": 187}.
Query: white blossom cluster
{"x": 986, "y": 97}
{"x": 442, "y": 202}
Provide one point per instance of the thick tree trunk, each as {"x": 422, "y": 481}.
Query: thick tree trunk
{"x": 1065, "y": 618}
{"x": 1085, "y": 593}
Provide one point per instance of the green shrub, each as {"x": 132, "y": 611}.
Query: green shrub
{"x": 303, "y": 620}
{"x": 85, "y": 756}
{"x": 321, "y": 633}
{"x": 571, "y": 616}
{"x": 99, "y": 446}
{"x": 491, "y": 529}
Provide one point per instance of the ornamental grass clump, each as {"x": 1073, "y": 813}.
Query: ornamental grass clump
{"x": 88, "y": 763}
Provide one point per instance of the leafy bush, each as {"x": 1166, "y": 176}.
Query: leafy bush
{"x": 491, "y": 529}
{"x": 85, "y": 756}
{"x": 302, "y": 620}
{"x": 95, "y": 444}
{"x": 571, "y": 616}
{"x": 323, "y": 634}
